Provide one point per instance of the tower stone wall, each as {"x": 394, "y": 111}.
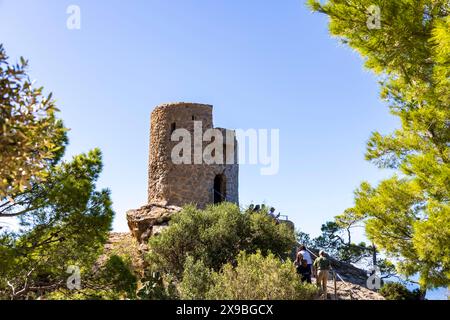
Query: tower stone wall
{"x": 181, "y": 184}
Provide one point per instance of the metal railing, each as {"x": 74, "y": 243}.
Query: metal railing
{"x": 214, "y": 192}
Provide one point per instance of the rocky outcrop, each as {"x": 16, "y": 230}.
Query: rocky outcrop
{"x": 349, "y": 272}
{"x": 149, "y": 220}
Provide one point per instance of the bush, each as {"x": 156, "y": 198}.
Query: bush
{"x": 118, "y": 274}
{"x": 398, "y": 291}
{"x": 114, "y": 280}
{"x": 197, "y": 280}
{"x": 265, "y": 235}
{"x": 157, "y": 287}
{"x": 260, "y": 278}
{"x": 255, "y": 277}
{"x": 83, "y": 294}
{"x": 215, "y": 236}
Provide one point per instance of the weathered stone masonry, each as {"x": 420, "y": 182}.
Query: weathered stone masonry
{"x": 171, "y": 186}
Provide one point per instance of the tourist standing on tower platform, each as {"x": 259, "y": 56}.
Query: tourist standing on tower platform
{"x": 272, "y": 212}
{"x": 275, "y": 217}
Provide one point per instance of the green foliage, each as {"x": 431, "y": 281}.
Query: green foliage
{"x": 258, "y": 277}
{"x": 84, "y": 294}
{"x": 215, "y": 236}
{"x": 333, "y": 241}
{"x": 31, "y": 137}
{"x": 432, "y": 243}
{"x": 64, "y": 221}
{"x": 304, "y": 239}
{"x": 112, "y": 280}
{"x": 119, "y": 275}
{"x": 157, "y": 286}
{"x": 407, "y": 216}
{"x": 398, "y": 291}
{"x": 197, "y": 280}
{"x": 266, "y": 235}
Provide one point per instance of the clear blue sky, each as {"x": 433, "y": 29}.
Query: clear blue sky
{"x": 262, "y": 64}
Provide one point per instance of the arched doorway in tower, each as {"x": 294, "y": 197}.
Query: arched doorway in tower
{"x": 220, "y": 190}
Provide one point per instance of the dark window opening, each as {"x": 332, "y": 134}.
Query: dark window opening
{"x": 193, "y": 118}
{"x": 173, "y": 127}
{"x": 219, "y": 188}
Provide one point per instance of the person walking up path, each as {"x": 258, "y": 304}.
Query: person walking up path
{"x": 322, "y": 267}
{"x": 306, "y": 255}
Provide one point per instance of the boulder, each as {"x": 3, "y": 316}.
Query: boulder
{"x": 149, "y": 220}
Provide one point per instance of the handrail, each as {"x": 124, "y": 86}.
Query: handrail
{"x": 219, "y": 193}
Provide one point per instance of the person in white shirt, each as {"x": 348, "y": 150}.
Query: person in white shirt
{"x": 306, "y": 256}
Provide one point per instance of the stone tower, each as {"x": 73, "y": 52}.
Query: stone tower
{"x": 180, "y": 184}
{"x": 172, "y": 185}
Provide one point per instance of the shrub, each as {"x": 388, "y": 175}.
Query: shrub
{"x": 83, "y": 294}
{"x": 197, "y": 280}
{"x": 120, "y": 277}
{"x": 255, "y": 277}
{"x": 157, "y": 287}
{"x": 266, "y": 235}
{"x": 259, "y": 278}
{"x": 113, "y": 280}
{"x": 215, "y": 236}
{"x": 398, "y": 291}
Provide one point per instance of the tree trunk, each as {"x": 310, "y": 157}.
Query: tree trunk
{"x": 374, "y": 255}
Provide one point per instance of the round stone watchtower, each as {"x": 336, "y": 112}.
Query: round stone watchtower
{"x": 195, "y": 181}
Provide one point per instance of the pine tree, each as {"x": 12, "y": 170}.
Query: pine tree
{"x": 407, "y": 44}
{"x": 31, "y": 137}
{"x": 63, "y": 222}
